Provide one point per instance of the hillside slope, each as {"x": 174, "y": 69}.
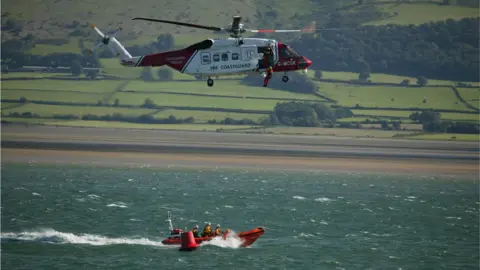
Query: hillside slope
{"x": 48, "y": 18}
{"x": 66, "y": 18}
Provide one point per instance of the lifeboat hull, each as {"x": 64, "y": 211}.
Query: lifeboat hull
{"x": 248, "y": 238}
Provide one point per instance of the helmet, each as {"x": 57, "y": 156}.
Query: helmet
{"x": 218, "y": 225}
{"x": 209, "y": 224}
{"x": 196, "y": 226}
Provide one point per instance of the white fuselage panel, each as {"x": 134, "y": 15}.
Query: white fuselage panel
{"x": 226, "y": 57}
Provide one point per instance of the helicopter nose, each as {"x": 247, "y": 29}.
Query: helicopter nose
{"x": 304, "y": 62}
{"x": 309, "y": 62}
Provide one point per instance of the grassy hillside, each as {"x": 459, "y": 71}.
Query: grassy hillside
{"x": 418, "y": 13}
{"x": 61, "y": 18}
{"x": 48, "y": 18}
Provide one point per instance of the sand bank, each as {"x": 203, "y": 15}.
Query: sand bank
{"x": 119, "y": 159}
{"x": 109, "y": 147}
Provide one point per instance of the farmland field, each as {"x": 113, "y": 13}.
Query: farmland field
{"x": 204, "y": 116}
{"x": 406, "y": 114}
{"x": 53, "y": 96}
{"x": 381, "y": 78}
{"x": 446, "y": 136}
{"x": 221, "y": 87}
{"x": 51, "y": 110}
{"x": 393, "y": 97}
{"x": 417, "y": 13}
{"x": 96, "y": 86}
{"x": 198, "y": 101}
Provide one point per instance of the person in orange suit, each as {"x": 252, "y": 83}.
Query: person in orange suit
{"x": 268, "y": 62}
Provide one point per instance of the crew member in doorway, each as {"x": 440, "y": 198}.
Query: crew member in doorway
{"x": 268, "y": 62}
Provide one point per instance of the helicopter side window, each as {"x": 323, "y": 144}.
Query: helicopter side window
{"x": 216, "y": 57}
{"x": 224, "y": 57}
{"x": 234, "y": 56}
{"x": 205, "y": 58}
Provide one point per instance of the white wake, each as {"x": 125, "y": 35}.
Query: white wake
{"x": 231, "y": 241}
{"x": 56, "y": 237}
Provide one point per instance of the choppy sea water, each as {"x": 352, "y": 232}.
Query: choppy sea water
{"x": 67, "y": 217}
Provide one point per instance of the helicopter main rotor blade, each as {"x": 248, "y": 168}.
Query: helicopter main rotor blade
{"x": 290, "y": 31}
{"x": 213, "y": 28}
{"x": 308, "y": 29}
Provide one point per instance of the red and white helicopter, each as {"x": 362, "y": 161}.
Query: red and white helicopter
{"x": 217, "y": 57}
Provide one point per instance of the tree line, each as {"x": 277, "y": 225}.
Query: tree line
{"x": 442, "y": 50}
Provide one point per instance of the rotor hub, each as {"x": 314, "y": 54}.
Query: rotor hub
{"x": 106, "y": 40}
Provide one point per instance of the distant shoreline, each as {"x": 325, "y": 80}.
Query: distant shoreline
{"x": 241, "y": 151}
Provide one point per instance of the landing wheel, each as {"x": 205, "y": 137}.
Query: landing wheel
{"x": 210, "y": 82}
{"x": 285, "y": 78}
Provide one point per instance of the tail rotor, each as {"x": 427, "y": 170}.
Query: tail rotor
{"x": 105, "y": 39}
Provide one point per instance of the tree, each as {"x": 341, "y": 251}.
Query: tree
{"x": 148, "y": 103}
{"x": 318, "y": 74}
{"x": 146, "y": 74}
{"x": 363, "y": 76}
{"x": 422, "y": 80}
{"x": 116, "y": 102}
{"x": 76, "y": 68}
{"x": 324, "y": 112}
{"x": 425, "y": 117}
{"x": 165, "y": 74}
{"x": 165, "y": 42}
{"x": 405, "y": 82}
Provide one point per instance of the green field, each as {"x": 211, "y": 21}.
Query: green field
{"x": 406, "y": 114}
{"x": 204, "y": 116}
{"x": 341, "y": 132}
{"x": 471, "y": 95}
{"x": 48, "y": 111}
{"x": 18, "y": 75}
{"x": 51, "y": 110}
{"x": 446, "y": 136}
{"x": 63, "y": 96}
{"x": 381, "y": 78}
{"x": 417, "y": 13}
{"x": 95, "y": 86}
{"x": 221, "y": 87}
{"x": 196, "y": 127}
{"x": 196, "y": 101}
{"x": 394, "y": 97}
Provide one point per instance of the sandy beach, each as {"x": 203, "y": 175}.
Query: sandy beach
{"x": 175, "y": 149}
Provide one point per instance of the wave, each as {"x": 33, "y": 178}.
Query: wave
{"x": 55, "y": 237}
{"x": 120, "y": 205}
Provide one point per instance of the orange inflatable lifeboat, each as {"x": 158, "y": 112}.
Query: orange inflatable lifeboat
{"x": 247, "y": 237}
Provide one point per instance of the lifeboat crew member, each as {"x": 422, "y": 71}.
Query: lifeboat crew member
{"x": 207, "y": 231}
{"x": 195, "y": 231}
{"x": 217, "y": 230}
{"x": 225, "y": 233}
